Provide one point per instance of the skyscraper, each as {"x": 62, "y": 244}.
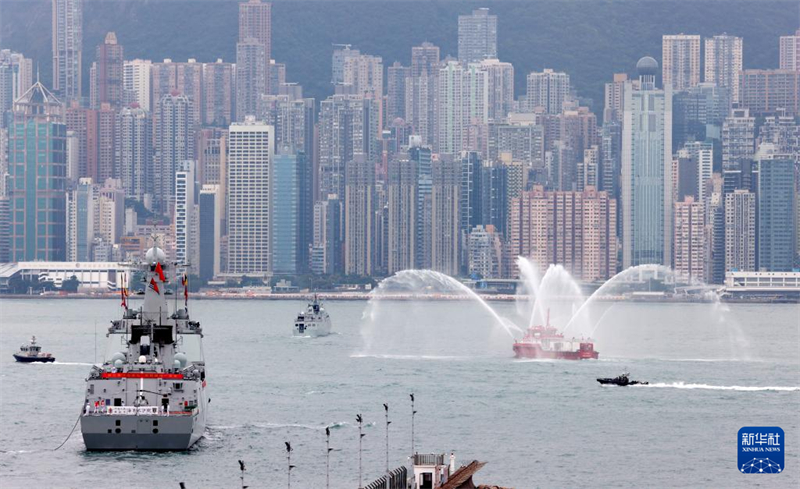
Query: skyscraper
{"x": 548, "y": 89}
{"x": 681, "y": 60}
{"x": 286, "y": 246}
{"x": 173, "y": 142}
{"x": 421, "y": 92}
{"x": 445, "y": 219}
{"x": 106, "y": 143}
{"x": 136, "y": 82}
{"x": 776, "y": 201}
{"x": 359, "y": 210}
{"x": 67, "y": 33}
{"x": 500, "y": 81}
{"x": 397, "y": 75}
{"x": 765, "y": 92}
{"x": 463, "y": 102}
{"x": 723, "y": 59}
{"x": 16, "y": 76}
{"x": 477, "y": 36}
{"x": 255, "y": 22}
{"x": 790, "y": 52}
{"x": 81, "y": 205}
{"x": 218, "y": 93}
{"x": 689, "y": 241}
{"x": 184, "y": 220}
{"x": 134, "y": 151}
{"x": 740, "y": 231}
{"x": 251, "y": 77}
{"x": 403, "y": 205}
{"x": 646, "y": 166}
{"x": 738, "y": 139}
{"x": 615, "y": 98}
{"x": 211, "y": 207}
{"x": 250, "y": 161}
{"x": 37, "y": 190}
{"x": 107, "y": 83}
{"x": 186, "y": 78}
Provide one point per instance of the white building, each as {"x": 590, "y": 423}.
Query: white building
{"x": 251, "y": 149}
{"x": 723, "y": 60}
{"x": 680, "y": 58}
{"x": 184, "y": 218}
{"x": 136, "y": 82}
{"x": 790, "y": 52}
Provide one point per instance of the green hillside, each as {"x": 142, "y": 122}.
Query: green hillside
{"x": 589, "y": 39}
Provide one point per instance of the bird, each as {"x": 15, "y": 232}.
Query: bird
{"x": 288, "y": 446}
{"x": 412, "y": 397}
{"x": 327, "y": 431}
{"x": 358, "y": 418}
{"x": 386, "y": 407}
{"x": 241, "y": 465}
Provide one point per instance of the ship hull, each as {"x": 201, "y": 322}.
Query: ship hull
{"x": 156, "y": 433}
{"x": 24, "y": 359}
{"x": 313, "y": 329}
{"x": 522, "y": 350}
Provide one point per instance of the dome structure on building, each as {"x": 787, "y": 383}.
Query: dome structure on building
{"x": 647, "y": 66}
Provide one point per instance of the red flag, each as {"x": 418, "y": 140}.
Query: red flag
{"x": 123, "y": 293}
{"x": 154, "y": 286}
{"x": 185, "y": 281}
{"x": 160, "y": 272}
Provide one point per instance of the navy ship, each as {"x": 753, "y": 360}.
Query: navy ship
{"x": 150, "y": 393}
{"x": 314, "y": 321}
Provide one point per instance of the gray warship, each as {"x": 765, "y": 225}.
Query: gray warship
{"x": 150, "y": 392}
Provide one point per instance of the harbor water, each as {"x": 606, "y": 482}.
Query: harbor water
{"x": 712, "y": 368}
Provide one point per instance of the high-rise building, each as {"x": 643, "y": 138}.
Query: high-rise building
{"x": 689, "y": 241}
{"x": 421, "y": 156}
{"x": 548, "y": 90}
{"x": 134, "y": 151}
{"x": 107, "y": 83}
{"x": 723, "y": 60}
{"x": 485, "y": 250}
{"x": 81, "y": 206}
{"x": 680, "y": 58}
{"x": 211, "y": 143}
{"x": 364, "y": 75}
{"x": 348, "y": 126}
{"x": 397, "y": 74}
{"x": 698, "y": 113}
{"x": 463, "y": 103}
{"x": 715, "y": 230}
{"x": 251, "y": 77}
{"x": 500, "y": 81}
{"x": 67, "y": 16}
{"x": 250, "y": 160}
{"x": 16, "y": 76}
{"x": 218, "y": 93}
{"x": 184, "y": 217}
{"x": 326, "y": 250}
{"x": 338, "y": 58}
{"x": 288, "y": 170}
{"x": 106, "y": 143}
{"x": 445, "y": 219}
{"x": 615, "y": 98}
{"x": 173, "y": 142}
{"x": 519, "y": 137}
{"x": 82, "y": 122}
{"x": 790, "y": 52}
{"x": 740, "y": 231}
{"x": 775, "y": 220}
{"x": 765, "y": 92}
{"x": 209, "y": 236}
{"x": 186, "y": 78}
{"x": 611, "y": 160}
{"x": 477, "y": 36}
{"x": 694, "y": 167}
{"x": 359, "y": 213}
{"x": 403, "y": 205}
{"x": 136, "y": 84}
{"x": 37, "y": 187}
{"x": 646, "y": 167}
{"x": 738, "y": 139}
{"x": 574, "y": 229}
{"x": 255, "y": 22}
{"x": 421, "y": 92}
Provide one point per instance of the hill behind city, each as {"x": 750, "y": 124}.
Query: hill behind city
{"x": 590, "y": 40}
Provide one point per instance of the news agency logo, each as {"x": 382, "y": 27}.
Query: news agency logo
{"x": 761, "y": 450}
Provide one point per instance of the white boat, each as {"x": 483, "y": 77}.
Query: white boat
{"x": 314, "y": 321}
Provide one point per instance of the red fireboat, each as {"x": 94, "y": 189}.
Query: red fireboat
{"x": 546, "y": 342}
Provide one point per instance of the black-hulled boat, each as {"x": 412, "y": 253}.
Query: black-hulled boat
{"x": 621, "y": 380}
{"x": 33, "y": 353}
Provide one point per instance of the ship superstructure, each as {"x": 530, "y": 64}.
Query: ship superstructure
{"x": 150, "y": 393}
{"x": 546, "y": 342}
{"x": 314, "y": 321}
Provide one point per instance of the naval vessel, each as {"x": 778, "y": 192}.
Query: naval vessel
{"x": 150, "y": 392}
{"x": 314, "y": 321}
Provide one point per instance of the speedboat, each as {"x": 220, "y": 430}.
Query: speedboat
{"x": 621, "y": 380}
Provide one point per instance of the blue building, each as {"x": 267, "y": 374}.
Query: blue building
{"x": 37, "y": 166}
{"x": 775, "y": 219}
{"x": 286, "y": 174}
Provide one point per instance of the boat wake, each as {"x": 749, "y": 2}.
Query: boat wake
{"x": 741, "y": 388}
{"x": 279, "y": 426}
{"x": 408, "y": 357}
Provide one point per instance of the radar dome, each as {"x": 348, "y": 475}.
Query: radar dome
{"x": 117, "y": 356}
{"x": 647, "y": 66}
{"x": 155, "y": 254}
{"x": 118, "y": 363}
{"x": 181, "y": 357}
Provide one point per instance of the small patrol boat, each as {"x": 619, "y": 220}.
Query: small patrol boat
{"x": 32, "y": 352}
{"x": 621, "y": 380}
{"x": 314, "y": 321}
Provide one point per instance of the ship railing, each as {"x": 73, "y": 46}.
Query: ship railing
{"x": 127, "y": 410}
